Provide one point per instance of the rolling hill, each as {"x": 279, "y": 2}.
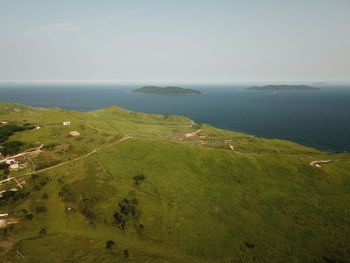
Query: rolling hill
{"x": 136, "y": 187}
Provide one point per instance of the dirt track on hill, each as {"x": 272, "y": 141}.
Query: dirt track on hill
{"x": 126, "y": 137}
{"x": 317, "y": 163}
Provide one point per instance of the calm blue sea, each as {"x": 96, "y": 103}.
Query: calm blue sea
{"x": 320, "y": 119}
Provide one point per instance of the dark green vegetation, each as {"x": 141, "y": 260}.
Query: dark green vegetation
{"x": 167, "y": 90}
{"x": 12, "y": 147}
{"x": 282, "y": 87}
{"x": 218, "y": 196}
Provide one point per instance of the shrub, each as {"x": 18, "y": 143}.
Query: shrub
{"x": 110, "y": 244}
{"x": 60, "y": 180}
{"x": 4, "y": 166}
{"x": 21, "y": 194}
{"x": 6, "y": 171}
{"x": 139, "y": 178}
{"x": 11, "y": 147}
{"x": 50, "y": 146}
{"x": 44, "y": 182}
{"x": 42, "y": 231}
{"x": 7, "y": 130}
{"x": 35, "y": 176}
{"x": 45, "y": 196}
{"x": 41, "y": 209}
{"x": 29, "y": 216}
{"x": 86, "y": 208}
{"x": 68, "y": 195}
{"x": 8, "y": 194}
{"x": 37, "y": 187}
{"x": 24, "y": 210}
{"x": 125, "y": 209}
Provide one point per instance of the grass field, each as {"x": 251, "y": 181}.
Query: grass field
{"x": 163, "y": 197}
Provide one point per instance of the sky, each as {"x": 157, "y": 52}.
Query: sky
{"x": 177, "y": 40}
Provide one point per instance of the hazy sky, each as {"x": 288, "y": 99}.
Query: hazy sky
{"x": 177, "y": 40}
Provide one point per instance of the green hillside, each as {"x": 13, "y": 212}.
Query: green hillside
{"x": 137, "y": 187}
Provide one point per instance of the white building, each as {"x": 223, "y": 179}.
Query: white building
{"x": 12, "y": 163}
{"x": 66, "y": 123}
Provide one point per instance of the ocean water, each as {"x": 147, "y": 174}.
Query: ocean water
{"x": 320, "y": 119}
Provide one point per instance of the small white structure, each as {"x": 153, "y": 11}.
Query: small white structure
{"x": 4, "y": 122}
{"x": 37, "y": 128}
{"x": 12, "y": 162}
{"x": 66, "y": 123}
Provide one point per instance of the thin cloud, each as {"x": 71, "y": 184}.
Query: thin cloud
{"x": 57, "y": 27}
{"x": 131, "y": 12}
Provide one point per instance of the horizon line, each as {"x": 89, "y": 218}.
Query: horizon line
{"x": 34, "y": 81}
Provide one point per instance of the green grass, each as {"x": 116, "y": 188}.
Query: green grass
{"x": 198, "y": 202}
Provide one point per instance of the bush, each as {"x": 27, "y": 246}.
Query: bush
{"x": 35, "y": 176}
{"x": 24, "y": 210}
{"x": 86, "y": 208}
{"x": 50, "y": 146}
{"x": 42, "y": 231}
{"x": 110, "y": 244}
{"x": 29, "y": 216}
{"x": 44, "y": 181}
{"x": 45, "y": 196}
{"x": 41, "y": 209}
{"x": 37, "y": 187}
{"x": 60, "y": 180}
{"x": 67, "y": 194}
{"x": 139, "y": 178}
{"x": 11, "y": 148}
{"x": 7, "y": 130}
{"x": 4, "y": 166}
{"x": 21, "y": 194}
{"x": 8, "y": 194}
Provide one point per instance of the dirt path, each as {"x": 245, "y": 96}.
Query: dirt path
{"x": 317, "y": 163}
{"x": 187, "y": 135}
{"x": 126, "y": 137}
{"x": 98, "y": 129}
{"x": 26, "y": 152}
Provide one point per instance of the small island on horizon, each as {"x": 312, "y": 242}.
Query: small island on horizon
{"x": 167, "y": 90}
{"x": 282, "y": 87}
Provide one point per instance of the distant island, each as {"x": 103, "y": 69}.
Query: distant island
{"x": 282, "y": 87}
{"x": 321, "y": 83}
{"x": 167, "y": 90}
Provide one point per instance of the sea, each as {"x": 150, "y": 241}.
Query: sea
{"x": 320, "y": 119}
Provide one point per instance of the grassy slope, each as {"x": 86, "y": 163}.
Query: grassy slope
{"x": 200, "y": 201}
